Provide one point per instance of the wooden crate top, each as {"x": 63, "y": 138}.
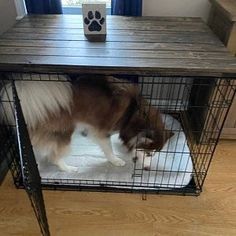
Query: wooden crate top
{"x": 228, "y": 7}
{"x": 141, "y": 45}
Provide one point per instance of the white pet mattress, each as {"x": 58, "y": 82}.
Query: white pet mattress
{"x": 170, "y": 168}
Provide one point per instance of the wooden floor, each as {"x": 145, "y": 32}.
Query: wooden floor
{"x": 82, "y": 213}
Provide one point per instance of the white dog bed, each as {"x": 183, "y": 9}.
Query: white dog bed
{"x": 170, "y": 168}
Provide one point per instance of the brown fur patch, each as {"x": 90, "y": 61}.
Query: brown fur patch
{"x": 107, "y": 104}
{"x": 111, "y": 104}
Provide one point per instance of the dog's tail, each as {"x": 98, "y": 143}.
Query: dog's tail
{"x": 38, "y": 100}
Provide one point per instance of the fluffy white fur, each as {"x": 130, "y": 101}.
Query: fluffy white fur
{"x": 102, "y": 141}
{"x": 38, "y": 99}
{"x": 44, "y": 97}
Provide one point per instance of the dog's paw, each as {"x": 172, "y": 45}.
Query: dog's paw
{"x": 71, "y": 169}
{"x": 67, "y": 168}
{"x": 117, "y": 162}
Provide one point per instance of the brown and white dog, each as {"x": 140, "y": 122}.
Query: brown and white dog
{"x": 97, "y": 105}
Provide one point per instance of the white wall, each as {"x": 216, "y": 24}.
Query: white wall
{"x": 196, "y": 8}
{"x": 7, "y": 14}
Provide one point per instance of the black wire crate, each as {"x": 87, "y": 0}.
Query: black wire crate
{"x": 186, "y": 113}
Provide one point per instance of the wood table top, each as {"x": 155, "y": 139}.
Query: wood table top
{"x": 135, "y": 45}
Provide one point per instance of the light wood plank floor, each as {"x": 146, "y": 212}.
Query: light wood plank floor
{"x": 110, "y": 214}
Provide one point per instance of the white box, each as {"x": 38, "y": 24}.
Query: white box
{"x": 94, "y": 20}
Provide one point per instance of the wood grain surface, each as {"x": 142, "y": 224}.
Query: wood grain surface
{"x": 141, "y": 45}
{"x": 113, "y": 214}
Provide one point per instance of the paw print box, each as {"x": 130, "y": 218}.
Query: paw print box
{"x": 94, "y": 18}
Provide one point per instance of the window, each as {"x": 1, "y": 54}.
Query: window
{"x": 79, "y": 2}
{"x": 74, "y": 6}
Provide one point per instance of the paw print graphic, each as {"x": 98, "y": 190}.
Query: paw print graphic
{"x": 94, "y": 21}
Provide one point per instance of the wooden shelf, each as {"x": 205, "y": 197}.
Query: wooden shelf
{"x": 222, "y": 21}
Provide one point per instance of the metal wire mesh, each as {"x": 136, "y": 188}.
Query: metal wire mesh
{"x": 200, "y": 104}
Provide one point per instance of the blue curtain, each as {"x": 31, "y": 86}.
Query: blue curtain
{"x": 126, "y": 7}
{"x": 43, "y": 6}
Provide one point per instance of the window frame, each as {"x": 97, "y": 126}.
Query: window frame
{"x": 77, "y": 10}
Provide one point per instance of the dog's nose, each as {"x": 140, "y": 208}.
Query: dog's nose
{"x": 135, "y": 159}
{"x": 146, "y": 168}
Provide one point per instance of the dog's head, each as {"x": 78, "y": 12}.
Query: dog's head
{"x": 152, "y": 137}
{"x": 148, "y": 143}
{"x": 144, "y": 129}
{"x": 153, "y": 140}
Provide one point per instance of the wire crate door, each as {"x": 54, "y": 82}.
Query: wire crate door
{"x": 29, "y": 168}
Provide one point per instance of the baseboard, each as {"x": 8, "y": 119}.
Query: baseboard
{"x": 228, "y": 133}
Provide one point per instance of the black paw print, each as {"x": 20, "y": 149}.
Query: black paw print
{"x": 94, "y": 21}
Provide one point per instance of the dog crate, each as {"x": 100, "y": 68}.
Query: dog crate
{"x": 193, "y": 108}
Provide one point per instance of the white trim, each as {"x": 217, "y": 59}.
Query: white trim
{"x": 20, "y": 9}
